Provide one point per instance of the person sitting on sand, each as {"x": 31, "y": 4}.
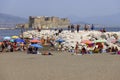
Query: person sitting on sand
{"x": 3, "y": 47}
{"x": 47, "y": 53}
{"x": 83, "y": 51}
{"x": 96, "y": 50}
{"x": 29, "y": 50}
{"x": 116, "y": 49}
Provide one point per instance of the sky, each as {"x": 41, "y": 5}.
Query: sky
{"x": 61, "y": 8}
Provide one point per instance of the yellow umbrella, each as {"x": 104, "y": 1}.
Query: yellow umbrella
{"x": 14, "y": 37}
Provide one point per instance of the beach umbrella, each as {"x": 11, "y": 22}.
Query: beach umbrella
{"x": 86, "y": 42}
{"x": 35, "y": 41}
{"x": 0, "y": 43}
{"x": 100, "y": 41}
{"x": 14, "y": 37}
{"x": 60, "y": 40}
{"x": 19, "y": 40}
{"x": 11, "y": 40}
{"x": 37, "y": 38}
{"x": 7, "y": 38}
{"x": 36, "y": 45}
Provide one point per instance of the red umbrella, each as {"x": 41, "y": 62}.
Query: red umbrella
{"x": 1, "y": 43}
{"x": 86, "y": 41}
{"x": 35, "y": 41}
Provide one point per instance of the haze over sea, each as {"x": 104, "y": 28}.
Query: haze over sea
{"x": 12, "y": 32}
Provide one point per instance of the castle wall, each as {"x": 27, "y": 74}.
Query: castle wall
{"x": 48, "y": 22}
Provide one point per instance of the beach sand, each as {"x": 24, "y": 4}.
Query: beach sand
{"x": 60, "y": 66}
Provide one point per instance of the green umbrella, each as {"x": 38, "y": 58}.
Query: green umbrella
{"x": 100, "y": 41}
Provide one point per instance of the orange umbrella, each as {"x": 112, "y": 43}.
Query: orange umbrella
{"x": 0, "y": 43}
{"x": 86, "y": 41}
{"x": 35, "y": 41}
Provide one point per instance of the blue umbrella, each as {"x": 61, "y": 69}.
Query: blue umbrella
{"x": 36, "y": 45}
{"x": 19, "y": 40}
{"x": 7, "y": 38}
{"x": 12, "y": 40}
{"x": 60, "y": 40}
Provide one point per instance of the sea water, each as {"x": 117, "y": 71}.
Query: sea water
{"x": 12, "y": 32}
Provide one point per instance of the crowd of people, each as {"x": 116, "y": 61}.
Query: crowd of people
{"x": 86, "y": 27}
{"x": 97, "y": 49}
{"x": 8, "y": 46}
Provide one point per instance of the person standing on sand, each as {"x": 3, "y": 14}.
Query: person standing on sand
{"x": 78, "y": 28}
{"x": 76, "y": 47}
{"x": 85, "y": 27}
{"x": 72, "y": 28}
{"x": 3, "y": 47}
{"x": 68, "y": 28}
{"x": 92, "y": 27}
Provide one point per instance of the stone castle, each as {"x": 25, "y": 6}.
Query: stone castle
{"x": 48, "y": 22}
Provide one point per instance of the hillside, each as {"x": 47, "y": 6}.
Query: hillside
{"x": 108, "y": 20}
{"x": 113, "y": 20}
{"x": 6, "y": 19}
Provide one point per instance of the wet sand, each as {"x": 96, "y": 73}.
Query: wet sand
{"x": 60, "y": 66}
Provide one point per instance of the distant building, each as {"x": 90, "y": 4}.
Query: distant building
{"x": 26, "y": 25}
{"x": 48, "y": 22}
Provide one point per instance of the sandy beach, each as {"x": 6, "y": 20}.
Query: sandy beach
{"x": 60, "y": 66}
